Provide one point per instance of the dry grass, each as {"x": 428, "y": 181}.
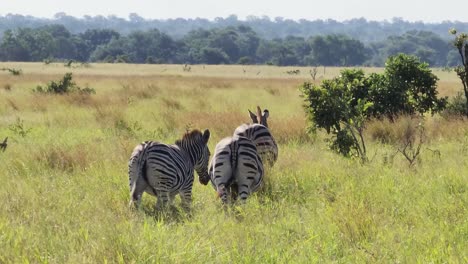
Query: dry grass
{"x": 65, "y": 158}
{"x": 436, "y": 128}
{"x": 65, "y": 185}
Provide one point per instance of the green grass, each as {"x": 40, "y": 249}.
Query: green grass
{"x": 65, "y": 190}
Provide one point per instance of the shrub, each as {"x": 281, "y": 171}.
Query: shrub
{"x": 244, "y": 60}
{"x": 19, "y": 128}
{"x": 335, "y": 107}
{"x": 13, "y": 71}
{"x": 456, "y": 106}
{"x": 64, "y": 86}
{"x": 406, "y": 87}
{"x": 344, "y": 104}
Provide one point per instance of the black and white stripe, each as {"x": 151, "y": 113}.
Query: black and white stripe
{"x": 165, "y": 170}
{"x": 260, "y": 134}
{"x": 264, "y": 141}
{"x": 236, "y": 168}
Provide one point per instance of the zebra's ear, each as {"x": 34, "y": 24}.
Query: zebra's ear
{"x": 253, "y": 117}
{"x": 266, "y": 113}
{"x": 206, "y": 136}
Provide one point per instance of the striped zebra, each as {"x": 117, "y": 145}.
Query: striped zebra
{"x": 165, "y": 170}
{"x": 259, "y": 133}
{"x": 236, "y": 168}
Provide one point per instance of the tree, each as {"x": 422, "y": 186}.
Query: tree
{"x": 12, "y": 48}
{"x": 334, "y": 107}
{"x": 461, "y": 43}
{"x": 337, "y": 50}
{"x": 214, "y": 56}
{"x": 407, "y": 86}
{"x": 342, "y": 105}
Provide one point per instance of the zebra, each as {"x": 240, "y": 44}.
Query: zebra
{"x": 164, "y": 170}
{"x": 236, "y": 168}
{"x": 259, "y": 133}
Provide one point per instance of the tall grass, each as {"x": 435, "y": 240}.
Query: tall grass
{"x": 65, "y": 190}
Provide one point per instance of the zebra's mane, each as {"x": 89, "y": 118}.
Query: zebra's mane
{"x": 194, "y": 134}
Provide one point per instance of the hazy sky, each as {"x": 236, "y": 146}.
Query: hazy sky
{"x": 413, "y": 10}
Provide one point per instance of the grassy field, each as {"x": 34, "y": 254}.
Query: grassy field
{"x": 65, "y": 190}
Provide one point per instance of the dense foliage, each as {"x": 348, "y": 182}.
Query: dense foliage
{"x": 269, "y": 28}
{"x": 240, "y": 44}
{"x": 343, "y": 104}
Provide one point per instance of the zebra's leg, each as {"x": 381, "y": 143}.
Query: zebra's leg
{"x": 221, "y": 177}
{"x": 244, "y": 191}
{"x": 163, "y": 200}
{"x": 244, "y": 183}
{"x": 223, "y": 193}
{"x": 186, "y": 198}
{"x": 136, "y": 192}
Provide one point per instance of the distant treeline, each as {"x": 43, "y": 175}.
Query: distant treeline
{"x": 225, "y": 45}
{"x": 268, "y": 28}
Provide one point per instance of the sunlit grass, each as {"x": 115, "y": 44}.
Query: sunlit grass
{"x": 65, "y": 190}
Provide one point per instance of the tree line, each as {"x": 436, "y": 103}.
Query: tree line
{"x": 226, "y": 45}
{"x": 364, "y": 30}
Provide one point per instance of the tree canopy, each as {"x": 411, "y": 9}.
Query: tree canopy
{"x": 227, "y": 45}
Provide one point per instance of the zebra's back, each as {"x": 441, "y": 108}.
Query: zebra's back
{"x": 264, "y": 141}
{"x": 236, "y": 167}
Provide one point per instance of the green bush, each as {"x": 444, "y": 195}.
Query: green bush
{"x": 342, "y": 105}
{"x": 407, "y": 86}
{"x": 336, "y": 107}
{"x": 456, "y": 106}
{"x": 64, "y": 86}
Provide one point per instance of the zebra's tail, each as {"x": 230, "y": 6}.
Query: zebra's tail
{"x": 234, "y": 149}
{"x": 136, "y": 167}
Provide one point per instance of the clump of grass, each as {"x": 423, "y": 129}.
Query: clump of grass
{"x": 64, "y": 158}
{"x": 383, "y": 131}
{"x": 7, "y": 87}
{"x": 124, "y": 128}
{"x": 292, "y": 129}
{"x": 139, "y": 91}
{"x": 108, "y": 116}
{"x": 80, "y": 99}
{"x": 172, "y": 104}
{"x": 273, "y": 91}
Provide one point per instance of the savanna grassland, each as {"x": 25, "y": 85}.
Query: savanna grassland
{"x": 64, "y": 192}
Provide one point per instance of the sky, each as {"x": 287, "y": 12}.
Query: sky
{"x": 411, "y": 10}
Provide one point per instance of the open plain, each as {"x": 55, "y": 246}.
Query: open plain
{"x": 65, "y": 193}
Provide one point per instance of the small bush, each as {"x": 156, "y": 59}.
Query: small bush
{"x": 7, "y": 87}
{"x": 456, "y": 106}
{"x": 13, "y": 71}
{"x": 245, "y": 60}
{"x": 19, "y": 128}
{"x": 64, "y": 86}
